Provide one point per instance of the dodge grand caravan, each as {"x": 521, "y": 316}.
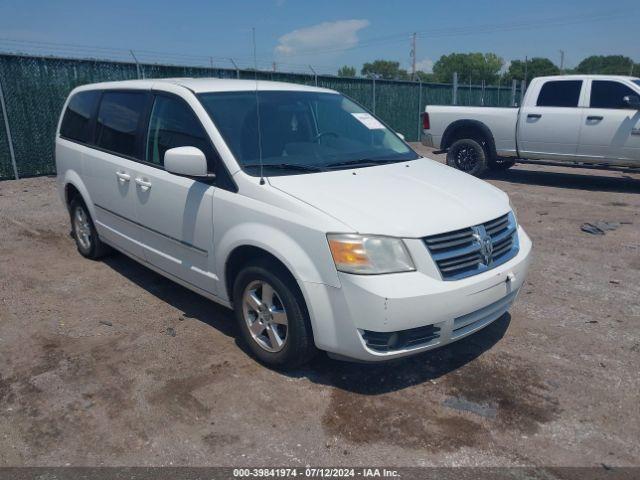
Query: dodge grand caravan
{"x": 294, "y": 206}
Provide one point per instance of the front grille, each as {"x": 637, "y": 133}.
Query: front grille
{"x": 400, "y": 340}
{"x": 473, "y": 250}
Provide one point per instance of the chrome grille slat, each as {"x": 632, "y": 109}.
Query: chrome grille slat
{"x": 460, "y": 253}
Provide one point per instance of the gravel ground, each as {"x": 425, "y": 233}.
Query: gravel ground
{"x": 108, "y": 363}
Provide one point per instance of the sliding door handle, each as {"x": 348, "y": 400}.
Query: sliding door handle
{"x": 123, "y": 176}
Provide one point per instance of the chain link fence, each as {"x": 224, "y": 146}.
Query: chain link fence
{"x": 35, "y": 89}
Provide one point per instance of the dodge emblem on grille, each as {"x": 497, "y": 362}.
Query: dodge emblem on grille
{"x": 486, "y": 244}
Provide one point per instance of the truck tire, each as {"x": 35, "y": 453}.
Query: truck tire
{"x": 272, "y": 316}
{"x": 469, "y": 156}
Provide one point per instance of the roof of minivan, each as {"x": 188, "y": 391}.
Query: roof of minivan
{"x": 587, "y": 76}
{"x": 201, "y": 85}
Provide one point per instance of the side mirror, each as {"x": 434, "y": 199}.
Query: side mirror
{"x": 632, "y": 101}
{"x": 400, "y": 135}
{"x": 187, "y": 161}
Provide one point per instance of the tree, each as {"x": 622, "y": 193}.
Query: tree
{"x": 425, "y": 77}
{"x": 474, "y": 67}
{"x": 607, "y": 65}
{"x": 347, "y": 71}
{"x": 536, "y": 67}
{"x": 386, "y": 69}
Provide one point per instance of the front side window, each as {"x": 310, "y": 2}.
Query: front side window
{"x": 77, "y": 117}
{"x": 173, "y": 124}
{"x": 606, "y": 94}
{"x": 301, "y": 132}
{"x": 563, "y": 93}
{"x": 118, "y": 118}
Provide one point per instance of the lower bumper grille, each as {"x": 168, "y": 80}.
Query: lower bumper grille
{"x": 473, "y": 250}
{"x": 400, "y": 340}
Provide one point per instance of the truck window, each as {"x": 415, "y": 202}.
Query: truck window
{"x": 173, "y": 124}
{"x": 118, "y": 118}
{"x": 562, "y": 93}
{"x": 77, "y": 117}
{"x": 607, "y": 94}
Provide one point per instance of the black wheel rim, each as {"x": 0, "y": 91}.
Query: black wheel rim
{"x": 466, "y": 158}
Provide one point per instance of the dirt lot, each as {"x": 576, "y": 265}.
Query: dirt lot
{"x": 107, "y": 363}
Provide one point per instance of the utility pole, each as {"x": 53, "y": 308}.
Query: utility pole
{"x": 526, "y": 69}
{"x": 274, "y": 67}
{"x": 561, "y": 61}
{"x": 413, "y": 56}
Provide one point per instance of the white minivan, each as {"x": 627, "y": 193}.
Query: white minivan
{"x": 294, "y": 206}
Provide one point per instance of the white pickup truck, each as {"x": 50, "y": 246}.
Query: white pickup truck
{"x": 573, "y": 120}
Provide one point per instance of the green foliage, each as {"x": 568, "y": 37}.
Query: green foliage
{"x": 606, "y": 65}
{"x": 347, "y": 71}
{"x": 536, "y": 67}
{"x": 474, "y": 67}
{"x": 425, "y": 77}
{"x": 384, "y": 69}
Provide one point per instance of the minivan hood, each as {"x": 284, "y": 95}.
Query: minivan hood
{"x": 409, "y": 199}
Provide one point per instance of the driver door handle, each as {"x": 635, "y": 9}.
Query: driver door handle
{"x": 594, "y": 118}
{"x": 534, "y": 116}
{"x": 123, "y": 176}
{"x": 144, "y": 184}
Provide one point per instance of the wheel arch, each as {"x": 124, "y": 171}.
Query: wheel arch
{"x": 472, "y": 129}
{"x": 74, "y": 186}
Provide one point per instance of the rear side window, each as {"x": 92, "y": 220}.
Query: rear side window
{"x": 118, "y": 118}
{"x": 605, "y": 94}
{"x": 173, "y": 124}
{"x": 565, "y": 93}
{"x": 77, "y": 117}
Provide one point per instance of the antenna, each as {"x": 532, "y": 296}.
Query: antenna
{"x": 255, "y": 73}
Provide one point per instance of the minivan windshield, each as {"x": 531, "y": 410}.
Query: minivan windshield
{"x": 301, "y": 132}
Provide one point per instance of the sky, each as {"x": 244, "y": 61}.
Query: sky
{"x": 325, "y": 34}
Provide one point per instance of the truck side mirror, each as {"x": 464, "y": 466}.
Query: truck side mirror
{"x": 632, "y": 101}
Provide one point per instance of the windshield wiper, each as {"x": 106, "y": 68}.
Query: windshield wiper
{"x": 362, "y": 162}
{"x": 287, "y": 166}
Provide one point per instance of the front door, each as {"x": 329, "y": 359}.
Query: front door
{"x": 550, "y": 127}
{"x": 175, "y": 212}
{"x": 610, "y": 128}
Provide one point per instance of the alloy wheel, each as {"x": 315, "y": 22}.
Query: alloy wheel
{"x": 265, "y": 316}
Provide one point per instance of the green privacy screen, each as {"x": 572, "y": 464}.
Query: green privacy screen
{"x": 35, "y": 89}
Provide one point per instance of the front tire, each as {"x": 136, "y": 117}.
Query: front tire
{"x": 272, "y": 317}
{"x": 84, "y": 232}
{"x": 469, "y": 156}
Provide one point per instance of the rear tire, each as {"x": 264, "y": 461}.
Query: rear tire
{"x": 272, "y": 317}
{"x": 469, "y": 156}
{"x": 84, "y": 232}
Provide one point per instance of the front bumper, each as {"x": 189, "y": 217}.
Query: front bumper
{"x": 341, "y": 317}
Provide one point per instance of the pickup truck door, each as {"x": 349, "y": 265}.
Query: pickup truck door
{"x": 610, "y": 130}
{"x": 175, "y": 213}
{"x": 549, "y": 122}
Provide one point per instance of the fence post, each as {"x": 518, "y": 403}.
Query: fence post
{"x": 3, "y": 105}
{"x": 419, "y": 110}
{"x": 455, "y": 88}
{"x": 138, "y": 69}
{"x": 315, "y": 75}
{"x": 514, "y": 87}
{"x": 374, "y": 94}
{"x": 235, "y": 65}
{"x": 482, "y": 94}
{"x": 523, "y": 87}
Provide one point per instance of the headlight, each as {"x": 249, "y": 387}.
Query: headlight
{"x": 369, "y": 254}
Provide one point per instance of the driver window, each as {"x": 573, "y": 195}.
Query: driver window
{"x": 173, "y": 124}
{"x": 607, "y": 94}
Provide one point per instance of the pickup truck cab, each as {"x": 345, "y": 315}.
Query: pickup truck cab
{"x": 292, "y": 205}
{"x": 572, "y": 120}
